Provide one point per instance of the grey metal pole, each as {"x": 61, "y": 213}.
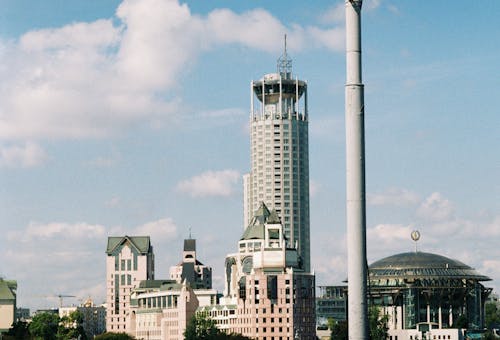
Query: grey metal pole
{"x": 355, "y": 177}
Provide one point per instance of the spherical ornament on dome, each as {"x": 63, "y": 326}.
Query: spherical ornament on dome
{"x": 415, "y": 235}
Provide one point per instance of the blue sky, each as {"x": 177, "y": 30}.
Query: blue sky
{"x": 131, "y": 117}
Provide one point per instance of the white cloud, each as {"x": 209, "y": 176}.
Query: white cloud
{"x": 105, "y": 161}
{"x": 314, "y": 188}
{"x": 389, "y": 233}
{"x": 210, "y": 183}
{"x": 93, "y": 79}
{"x": 69, "y": 257}
{"x": 436, "y": 208}
{"x": 113, "y": 202}
{"x": 256, "y": 28}
{"x": 371, "y": 4}
{"x": 393, "y": 196}
{"x": 58, "y": 231}
{"x": 24, "y": 156}
{"x": 334, "y": 14}
{"x": 160, "y": 230}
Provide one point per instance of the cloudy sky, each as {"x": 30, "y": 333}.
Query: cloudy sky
{"x": 131, "y": 117}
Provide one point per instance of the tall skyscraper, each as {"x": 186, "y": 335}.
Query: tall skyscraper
{"x": 279, "y": 175}
{"x": 129, "y": 260}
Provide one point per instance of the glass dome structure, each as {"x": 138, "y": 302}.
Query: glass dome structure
{"x": 419, "y": 287}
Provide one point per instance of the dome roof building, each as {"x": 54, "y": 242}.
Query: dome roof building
{"x": 427, "y": 292}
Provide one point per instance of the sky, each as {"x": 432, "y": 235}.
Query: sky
{"x": 130, "y": 117}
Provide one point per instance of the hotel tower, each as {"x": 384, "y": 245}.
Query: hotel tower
{"x": 279, "y": 174}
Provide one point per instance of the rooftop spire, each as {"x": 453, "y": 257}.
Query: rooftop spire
{"x": 285, "y": 64}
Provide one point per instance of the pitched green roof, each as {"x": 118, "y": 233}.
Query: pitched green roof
{"x": 141, "y": 243}
{"x": 7, "y": 290}
{"x": 256, "y": 228}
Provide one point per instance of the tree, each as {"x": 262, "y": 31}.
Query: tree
{"x": 114, "y": 336}
{"x": 71, "y": 327}
{"x": 378, "y": 324}
{"x": 491, "y": 316}
{"x": 461, "y": 322}
{"x": 339, "y": 330}
{"x": 44, "y": 326}
{"x": 18, "y": 330}
{"x": 201, "y": 327}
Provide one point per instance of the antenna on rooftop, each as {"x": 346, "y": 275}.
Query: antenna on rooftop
{"x": 285, "y": 64}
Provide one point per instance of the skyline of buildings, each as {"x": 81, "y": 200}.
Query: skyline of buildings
{"x": 428, "y": 130}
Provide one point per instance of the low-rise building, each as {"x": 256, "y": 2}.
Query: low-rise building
{"x": 331, "y": 304}
{"x": 22, "y": 313}
{"x": 8, "y": 290}
{"x": 161, "y": 309}
{"x": 93, "y": 317}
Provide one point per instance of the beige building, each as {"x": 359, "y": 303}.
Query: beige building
{"x": 275, "y": 298}
{"x": 129, "y": 261}
{"x": 225, "y": 316}
{"x": 94, "y": 317}
{"x": 7, "y": 304}
{"x": 160, "y": 310}
{"x": 190, "y": 269}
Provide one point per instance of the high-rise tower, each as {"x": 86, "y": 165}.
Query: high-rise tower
{"x": 279, "y": 175}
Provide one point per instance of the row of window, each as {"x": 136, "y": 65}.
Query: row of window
{"x": 169, "y": 301}
{"x": 126, "y": 264}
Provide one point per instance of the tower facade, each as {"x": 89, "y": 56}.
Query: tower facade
{"x": 279, "y": 154}
{"x": 129, "y": 260}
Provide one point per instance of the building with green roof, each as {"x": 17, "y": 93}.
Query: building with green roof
{"x": 129, "y": 260}
{"x": 7, "y": 304}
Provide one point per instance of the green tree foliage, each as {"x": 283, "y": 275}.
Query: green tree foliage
{"x": 201, "y": 327}
{"x": 49, "y": 326}
{"x": 18, "y": 330}
{"x": 338, "y": 330}
{"x": 378, "y": 324}
{"x": 114, "y": 336}
{"x": 461, "y": 322}
{"x": 44, "y": 326}
{"x": 492, "y": 315}
{"x": 488, "y": 335}
{"x": 71, "y": 327}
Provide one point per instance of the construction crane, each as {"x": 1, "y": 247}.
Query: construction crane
{"x": 60, "y": 297}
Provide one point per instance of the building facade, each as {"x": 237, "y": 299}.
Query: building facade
{"x": 8, "y": 289}
{"x": 425, "y": 295}
{"x": 331, "y": 304}
{"x": 93, "y": 317}
{"x": 196, "y": 273}
{"x": 274, "y": 297}
{"x": 279, "y": 173}
{"x": 129, "y": 260}
{"x": 161, "y": 309}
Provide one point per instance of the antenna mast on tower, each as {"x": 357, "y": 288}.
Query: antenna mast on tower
{"x": 285, "y": 64}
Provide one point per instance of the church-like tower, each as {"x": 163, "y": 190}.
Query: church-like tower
{"x": 279, "y": 174}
